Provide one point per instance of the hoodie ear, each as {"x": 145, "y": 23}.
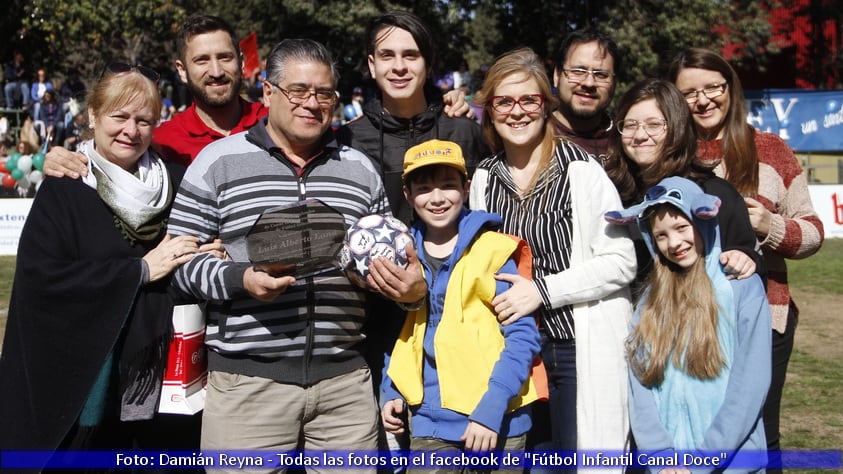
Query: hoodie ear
{"x": 623, "y": 216}
{"x": 705, "y": 206}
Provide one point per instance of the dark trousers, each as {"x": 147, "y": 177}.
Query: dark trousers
{"x": 555, "y": 422}
{"x": 782, "y": 348}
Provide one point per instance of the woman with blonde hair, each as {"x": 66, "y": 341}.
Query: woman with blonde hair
{"x": 90, "y": 317}
{"x": 553, "y": 195}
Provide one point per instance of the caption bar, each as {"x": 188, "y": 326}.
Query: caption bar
{"x": 417, "y": 459}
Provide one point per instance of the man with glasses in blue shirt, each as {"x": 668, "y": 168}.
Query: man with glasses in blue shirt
{"x": 585, "y": 78}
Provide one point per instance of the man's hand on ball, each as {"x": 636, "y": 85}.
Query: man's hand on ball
{"x": 405, "y": 285}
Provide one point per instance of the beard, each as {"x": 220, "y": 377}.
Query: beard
{"x": 201, "y": 95}
{"x": 582, "y": 113}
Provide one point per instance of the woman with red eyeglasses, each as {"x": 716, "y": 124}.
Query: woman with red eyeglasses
{"x": 90, "y": 313}
{"x": 552, "y": 194}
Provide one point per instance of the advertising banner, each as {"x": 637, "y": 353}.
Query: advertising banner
{"x": 809, "y": 121}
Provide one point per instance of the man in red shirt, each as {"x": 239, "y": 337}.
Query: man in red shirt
{"x": 210, "y": 63}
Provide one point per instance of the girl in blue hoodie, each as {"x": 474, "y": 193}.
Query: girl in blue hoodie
{"x": 699, "y": 349}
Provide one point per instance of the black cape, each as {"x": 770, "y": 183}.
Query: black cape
{"x": 77, "y": 296}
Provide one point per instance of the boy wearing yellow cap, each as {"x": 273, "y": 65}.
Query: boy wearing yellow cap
{"x": 463, "y": 376}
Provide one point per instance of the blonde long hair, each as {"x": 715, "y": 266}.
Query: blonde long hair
{"x": 526, "y": 62}
{"x": 678, "y": 323}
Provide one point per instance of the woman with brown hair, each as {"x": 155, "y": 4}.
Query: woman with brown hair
{"x": 766, "y": 172}
{"x": 655, "y": 139}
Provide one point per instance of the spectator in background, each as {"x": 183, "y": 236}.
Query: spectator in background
{"x": 354, "y": 108}
{"x": 168, "y": 110}
{"x": 51, "y": 118}
{"x": 73, "y": 133}
{"x": 585, "y": 79}
{"x": 444, "y": 80}
{"x": 16, "y": 74}
{"x": 7, "y": 188}
{"x": 38, "y": 89}
{"x": 28, "y": 134}
{"x": 462, "y": 78}
{"x": 71, "y": 90}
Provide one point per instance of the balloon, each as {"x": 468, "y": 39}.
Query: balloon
{"x": 38, "y": 161}
{"x": 3, "y": 168}
{"x": 23, "y": 183}
{"x": 35, "y": 176}
{"x": 25, "y": 163}
{"x": 12, "y": 162}
{"x": 8, "y": 181}
{"x": 17, "y": 174}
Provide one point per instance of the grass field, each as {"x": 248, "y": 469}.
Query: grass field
{"x": 812, "y": 412}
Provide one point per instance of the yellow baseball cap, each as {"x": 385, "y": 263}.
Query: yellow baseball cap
{"x": 434, "y": 152}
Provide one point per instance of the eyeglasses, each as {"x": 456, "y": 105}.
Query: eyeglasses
{"x": 300, "y": 95}
{"x": 119, "y": 68}
{"x": 579, "y": 74}
{"x": 503, "y": 104}
{"x": 710, "y": 92}
{"x": 652, "y": 127}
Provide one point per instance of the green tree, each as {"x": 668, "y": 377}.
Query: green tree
{"x": 86, "y": 34}
{"x": 650, "y": 33}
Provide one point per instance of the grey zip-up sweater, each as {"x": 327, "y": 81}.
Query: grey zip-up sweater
{"x": 313, "y": 330}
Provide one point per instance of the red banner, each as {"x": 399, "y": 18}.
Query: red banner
{"x": 251, "y": 60}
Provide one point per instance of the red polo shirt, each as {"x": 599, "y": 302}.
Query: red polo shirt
{"x": 180, "y": 139}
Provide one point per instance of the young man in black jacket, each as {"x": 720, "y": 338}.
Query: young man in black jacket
{"x": 407, "y": 110}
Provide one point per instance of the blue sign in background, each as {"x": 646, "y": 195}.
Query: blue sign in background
{"x": 807, "y": 120}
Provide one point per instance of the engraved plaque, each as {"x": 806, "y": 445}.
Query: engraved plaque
{"x": 300, "y": 239}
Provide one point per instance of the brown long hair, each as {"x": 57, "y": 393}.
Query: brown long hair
{"x": 679, "y": 151}
{"x": 523, "y": 61}
{"x": 678, "y": 322}
{"x": 737, "y": 149}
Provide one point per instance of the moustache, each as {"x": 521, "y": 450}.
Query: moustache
{"x": 218, "y": 80}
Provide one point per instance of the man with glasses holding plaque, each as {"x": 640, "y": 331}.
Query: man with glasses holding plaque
{"x": 284, "y": 350}
{"x": 585, "y": 79}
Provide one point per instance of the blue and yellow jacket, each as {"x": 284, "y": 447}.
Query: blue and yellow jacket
{"x": 453, "y": 361}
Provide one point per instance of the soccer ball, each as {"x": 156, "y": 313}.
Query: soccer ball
{"x": 371, "y": 237}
